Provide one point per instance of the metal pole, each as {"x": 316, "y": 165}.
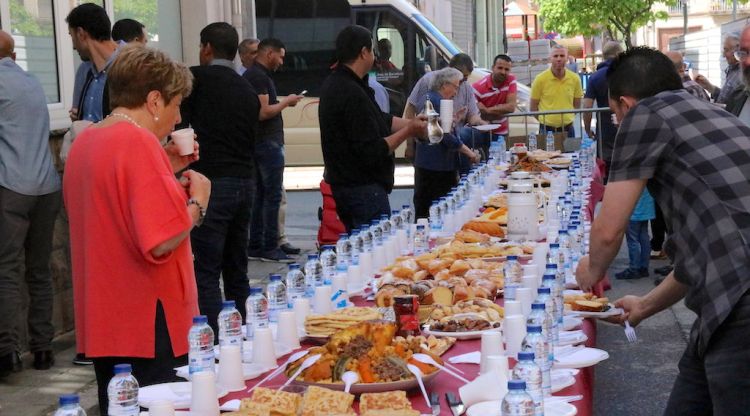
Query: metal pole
{"x": 684, "y": 17}
{"x": 734, "y": 10}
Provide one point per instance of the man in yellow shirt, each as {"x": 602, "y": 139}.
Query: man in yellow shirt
{"x": 557, "y": 88}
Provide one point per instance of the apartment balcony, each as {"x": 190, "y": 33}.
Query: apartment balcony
{"x": 725, "y": 7}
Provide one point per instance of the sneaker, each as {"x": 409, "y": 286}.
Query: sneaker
{"x": 254, "y": 254}
{"x": 664, "y": 270}
{"x": 628, "y": 274}
{"x": 81, "y": 359}
{"x": 276, "y": 255}
{"x": 290, "y": 249}
{"x": 643, "y": 272}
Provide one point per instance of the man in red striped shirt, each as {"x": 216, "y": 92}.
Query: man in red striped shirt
{"x": 496, "y": 94}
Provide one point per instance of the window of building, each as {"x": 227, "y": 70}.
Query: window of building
{"x": 162, "y": 21}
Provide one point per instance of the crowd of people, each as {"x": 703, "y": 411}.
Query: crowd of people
{"x": 155, "y": 235}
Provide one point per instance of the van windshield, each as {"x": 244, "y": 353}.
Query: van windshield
{"x": 439, "y": 36}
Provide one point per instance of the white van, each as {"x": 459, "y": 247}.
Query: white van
{"x": 308, "y": 29}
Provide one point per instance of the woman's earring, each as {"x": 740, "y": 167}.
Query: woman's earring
{"x": 156, "y": 118}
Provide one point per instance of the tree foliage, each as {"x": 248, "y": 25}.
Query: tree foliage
{"x": 144, "y": 11}
{"x": 619, "y": 18}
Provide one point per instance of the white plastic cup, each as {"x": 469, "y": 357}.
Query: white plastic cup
{"x": 403, "y": 243}
{"x": 530, "y": 269}
{"x": 446, "y": 115}
{"x": 486, "y": 387}
{"x": 378, "y": 259}
{"x": 161, "y": 408}
{"x": 365, "y": 266}
{"x": 230, "y": 368}
{"x": 301, "y": 308}
{"x": 492, "y": 344}
{"x": 340, "y": 283}
{"x": 513, "y": 307}
{"x": 185, "y": 141}
{"x": 203, "y": 397}
{"x": 286, "y": 333}
{"x": 514, "y": 331}
{"x": 526, "y": 296}
{"x": 355, "y": 276}
{"x": 264, "y": 353}
{"x": 322, "y": 300}
{"x": 498, "y": 364}
{"x": 531, "y": 282}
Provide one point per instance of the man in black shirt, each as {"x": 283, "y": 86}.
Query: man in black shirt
{"x": 357, "y": 138}
{"x": 269, "y": 153}
{"x": 223, "y": 110}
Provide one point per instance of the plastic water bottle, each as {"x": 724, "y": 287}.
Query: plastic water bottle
{"x": 344, "y": 250}
{"x": 553, "y": 254}
{"x": 295, "y": 284}
{"x": 386, "y": 226}
{"x": 535, "y": 342}
{"x": 69, "y": 406}
{"x": 201, "y": 344}
{"x": 544, "y": 296}
{"x": 540, "y": 316}
{"x": 377, "y": 232}
{"x": 277, "y": 298}
{"x": 435, "y": 220}
{"x": 367, "y": 238}
{"x": 548, "y": 281}
{"x": 257, "y": 311}
{"x": 122, "y": 392}
{"x": 550, "y": 142}
{"x": 357, "y": 245}
{"x": 397, "y": 221}
{"x": 313, "y": 274}
{"x": 527, "y": 370}
{"x": 532, "y": 142}
{"x": 328, "y": 262}
{"x": 420, "y": 240}
{"x": 517, "y": 402}
{"x": 407, "y": 214}
{"x": 230, "y": 325}
{"x": 502, "y": 148}
{"x": 513, "y": 274}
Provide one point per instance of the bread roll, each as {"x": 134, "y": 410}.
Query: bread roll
{"x": 460, "y": 267}
{"x": 438, "y": 296}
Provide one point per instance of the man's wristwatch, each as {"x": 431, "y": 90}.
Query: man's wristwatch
{"x": 201, "y": 210}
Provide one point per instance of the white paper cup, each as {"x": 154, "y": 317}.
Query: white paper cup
{"x": 365, "y": 266}
{"x": 513, "y": 307}
{"x": 161, "y": 408}
{"x": 203, "y": 397}
{"x": 498, "y": 364}
{"x": 531, "y": 282}
{"x": 264, "y": 353}
{"x": 230, "y": 368}
{"x": 492, "y": 344}
{"x": 526, "y": 296}
{"x": 514, "y": 331}
{"x": 446, "y": 115}
{"x": 529, "y": 269}
{"x": 322, "y": 300}
{"x": 355, "y": 277}
{"x": 403, "y": 244}
{"x": 287, "y": 334}
{"x": 185, "y": 141}
{"x": 378, "y": 259}
{"x": 483, "y": 389}
{"x": 301, "y": 308}
{"x": 340, "y": 283}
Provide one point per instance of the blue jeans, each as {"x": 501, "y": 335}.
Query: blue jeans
{"x": 639, "y": 244}
{"x": 269, "y": 179}
{"x": 220, "y": 246}
{"x": 359, "y": 204}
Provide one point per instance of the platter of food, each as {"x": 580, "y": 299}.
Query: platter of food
{"x": 588, "y": 305}
{"x": 462, "y": 327}
{"x": 323, "y": 326}
{"x": 559, "y": 162}
{"x": 486, "y": 127}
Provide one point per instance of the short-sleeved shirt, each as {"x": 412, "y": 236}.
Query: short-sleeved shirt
{"x": 123, "y": 201}
{"x": 598, "y": 90}
{"x": 442, "y": 157}
{"x": 556, "y": 94}
{"x": 489, "y": 95}
{"x": 464, "y": 97}
{"x": 260, "y": 78}
{"x": 25, "y": 160}
{"x": 696, "y": 158}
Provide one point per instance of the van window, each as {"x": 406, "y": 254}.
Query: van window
{"x": 308, "y": 29}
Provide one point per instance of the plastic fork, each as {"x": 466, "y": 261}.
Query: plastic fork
{"x": 424, "y": 358}
{"x": 445, "y": 363}
{"x": 309, "y": 361}
{"x": 630, "y": 333}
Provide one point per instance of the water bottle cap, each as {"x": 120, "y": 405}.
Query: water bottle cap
{"x": 343, "y": 235}
{"x": 548, "y": 277}
{"x": 374, "y": 222}
{"x": 384, "y": 216}
{"x": 294, "y": 266}
{"x": 123, "y": 368}
{"x": 312, "y": 257}
{"x": 534, "y": 329}
{"x": 577, "y": 223}
{"x": 66, "y": 399}
{"x": 544, "y": 291}
{"x": 228, "y": 304}
{"x": 537, "y": 305}
{"x": 571, "y": 227}
{"x": 420, "y": 226}
{"x": 554, "y": 245}
{"x": 563, "y": 231}
{"x": 511, "y": 257}
{"x": 341, "y": 267}
{"x": 516, "y": 385}
{"x": 200, "y": 319}
{"x": 274, "y": 278}
{"x": 405, "y": 206}
{"x": 394, "y": 212}
{"x": 256, "y": 290}
{"x": 551, "y": 265}
{"x": 326, "y": 247}
{"x": 526, "y": 355}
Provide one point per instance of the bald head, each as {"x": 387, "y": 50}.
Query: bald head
{"x": 7, "y": 46}
{"x": 676, "y": 58}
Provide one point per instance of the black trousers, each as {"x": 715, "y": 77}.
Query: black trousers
{"x": 147, "y": 371}
{"x": 658, "y": 230}
{"x": 430, "y": 185}
{"x": 358, "y": 205}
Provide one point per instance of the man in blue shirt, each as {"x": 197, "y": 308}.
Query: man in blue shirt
{"x": 89, "y": 29}
{"x": 29, "y": 202}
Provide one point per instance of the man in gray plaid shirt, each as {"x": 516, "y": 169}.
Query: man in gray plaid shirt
{"x": 695, "y": 159}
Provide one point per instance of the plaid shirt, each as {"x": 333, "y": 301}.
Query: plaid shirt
{"x": 696, "y": 157}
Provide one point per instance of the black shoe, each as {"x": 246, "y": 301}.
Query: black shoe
{"x": 628, "y": 274}
{"x": 6, "y": 365}
{"x": 643, "y": 272}
{"x": 290, "y": 249}
{"x": 43, "y": 360}
{"x": 254, "y": 254}
{"x": 276, "y": 255}
{"x": 81, "y": 359}
{"x": 17, "y": 363}
{"x": 664, "y": 270}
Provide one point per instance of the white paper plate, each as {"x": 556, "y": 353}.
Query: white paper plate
{"x": 459, "y": 335}
{"x": 562, "y": 379}
{"x": 249, "y": 371}
{"x": 178, "y": 393}
{"x": 571, "y": 322}
{"x": 572, "y": 338}
{"x": 247, "y": 351}
{"x": 493, "y": 409}
{"x": 584, "y": 357}
{"x": 486, "y": 127}
{"x": 612, "y": 311}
